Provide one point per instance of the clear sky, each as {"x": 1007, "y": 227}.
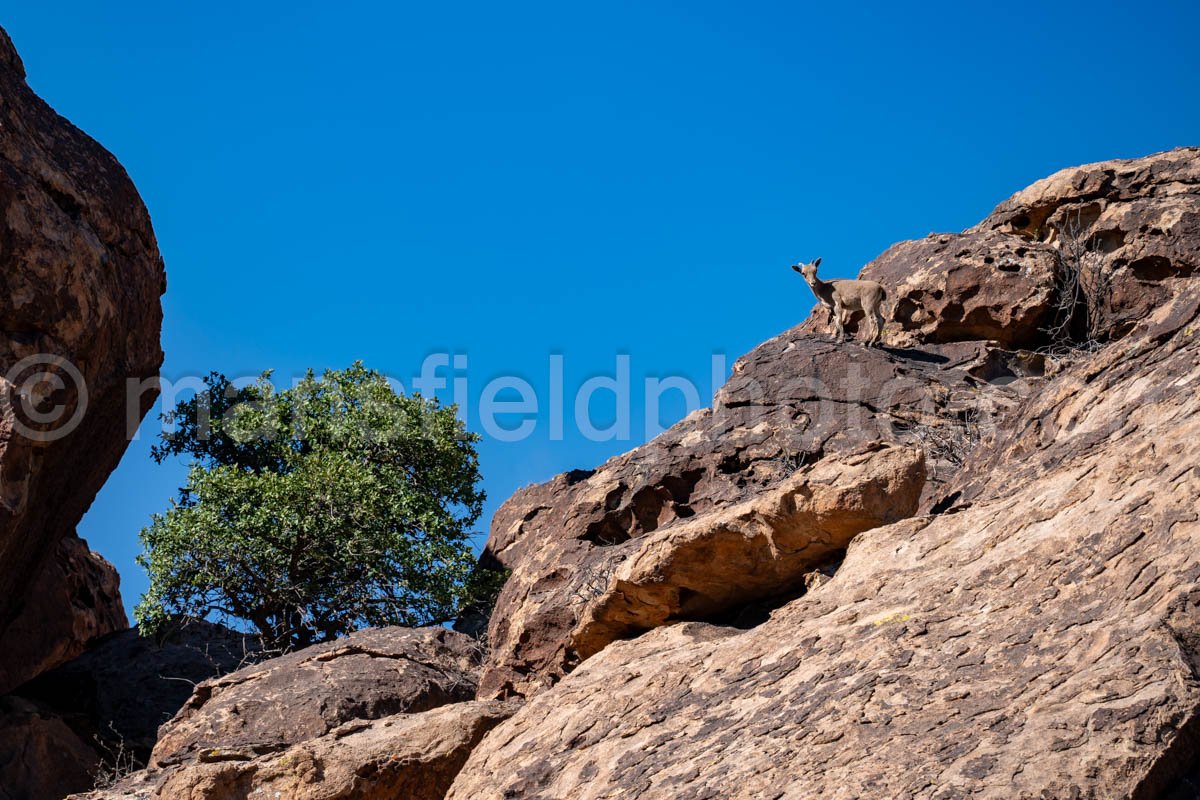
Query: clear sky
{"x": 507, "y": 182}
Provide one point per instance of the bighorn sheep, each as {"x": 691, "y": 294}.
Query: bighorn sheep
{"x": 844, "y": 297}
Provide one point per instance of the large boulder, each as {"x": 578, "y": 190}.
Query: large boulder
{"x": 383, "y": 712}
{"x": 410, "y": 756}
{"x": 1040, "y": 639}
{"x": 75, "y": 599}
{"x": 80, "y": 280}
{"x": 960, "y": 287}
{"x": 413, "y": 756}
{"x": 369, "y": 674}
{"x": 791, "y": 403}
{"x": 1136, "y": 220}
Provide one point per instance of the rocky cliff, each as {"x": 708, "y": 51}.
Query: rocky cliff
{"x": 79, "y": 317}
{"x": 1016, "y": 612}
{"x": 1039, "y": 640}
{"x": 80, "y": 280}
{"x": 962, "y": 564}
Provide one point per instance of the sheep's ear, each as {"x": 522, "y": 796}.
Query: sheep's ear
{"x": 817, "y": 263}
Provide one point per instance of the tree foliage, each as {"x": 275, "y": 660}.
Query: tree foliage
{"x": 314, "y": 510}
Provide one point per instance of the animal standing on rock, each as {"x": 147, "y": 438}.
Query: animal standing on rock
{"x": 844, "y": 297}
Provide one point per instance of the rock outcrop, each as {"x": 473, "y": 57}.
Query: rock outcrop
{"x": 981, "y": 285}
{"x": 1029, "y": 630}
{"x": 1138, "y": 219}
{"x": 1038, "y": 640}
{"x": 984, "y": 318}
{"x": 381, "y": 711}
{"x": 1134, "y": 223}
{"x": 75, "y": 599}
{"x": 410, "y": 756}
{"x": 369, "y": 674}
{"x": 792, "y": 403}
{"x": 80, "y": 279}
{"x": 761, "y": 548}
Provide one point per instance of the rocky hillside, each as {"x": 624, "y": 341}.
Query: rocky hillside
{"x": 964, "y": 564}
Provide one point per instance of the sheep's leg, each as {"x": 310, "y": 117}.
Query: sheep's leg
{"x": 871, "y": 314}
{"x": 878, "y": 325}
{"x": 839, "y": 330}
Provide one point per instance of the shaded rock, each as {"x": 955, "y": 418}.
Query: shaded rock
{"x": 369, "y": 674}
{"x": 76, "y": 599}
{"x": 80, "y": 279}
{"x": 1043, "y": 641}
{"x": 41, "y": 757}
{"x": 763, "y": 547}
{"x": 118, "y": 693}
{"x": 790, "y": 403}
{"x": 410, "y": 756}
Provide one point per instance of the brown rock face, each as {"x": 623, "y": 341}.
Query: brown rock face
{"x": 760, "y": 548}
{"x": 382, "y": 713}
{"x": 957, "y": 287}
{"x": 1039, "y": 640}
{"x": 410, "y": 756}
{"x": 968, "y": 307}
{"x": 791, "y": 403}
{"x": 1139, "y": 219}
{"x": 98, "y": 715}
{"x": 370, "y": 674}
{"x": 80, "y": 279}
{"x": 76, "y": 599}
{"x": 1136, "y": 221}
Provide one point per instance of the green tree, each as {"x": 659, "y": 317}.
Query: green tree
{"x": 316, "y": 510}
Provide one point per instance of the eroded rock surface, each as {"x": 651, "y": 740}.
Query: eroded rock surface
{"x": 978, "y": 285}
{"x": 382, "y": 713}
{"x": 1139, "y": 220}
{"x": 370, "y": 674}
{"x": 410, "y": 756}
{"x": 791, "y": 403}
{"x": 1136, "y": 223}
{"x": 760, "y": 548}
{"x": 979, "y": 324}
{"x": 1038, "y": 640}
{"x": 80, "y": 279}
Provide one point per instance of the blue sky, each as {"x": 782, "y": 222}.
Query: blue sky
{"x": 507, "y": 182}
